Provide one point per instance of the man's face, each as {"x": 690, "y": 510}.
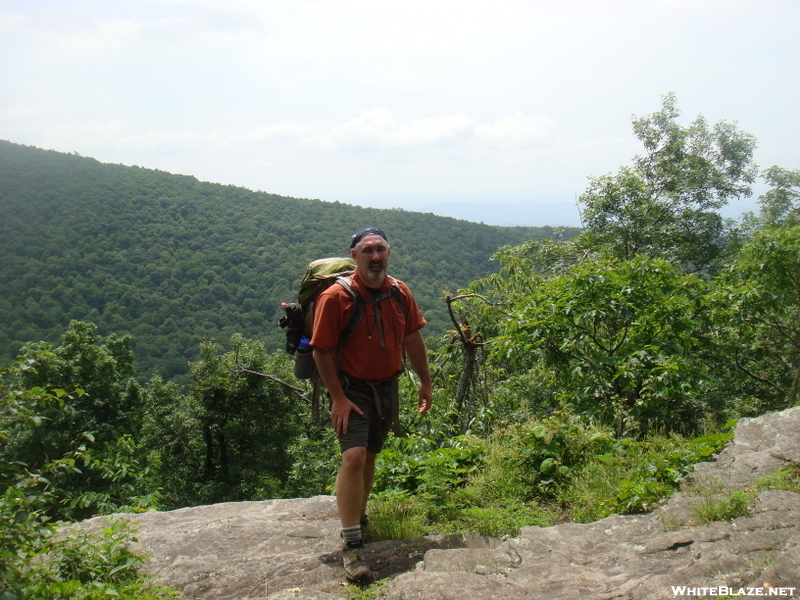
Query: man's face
{"x": 371, "y": 256}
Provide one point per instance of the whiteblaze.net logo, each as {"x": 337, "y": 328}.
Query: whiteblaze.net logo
{"x": 767, "y": 590}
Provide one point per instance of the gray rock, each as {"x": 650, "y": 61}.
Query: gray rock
{"x": 289, "y": 549}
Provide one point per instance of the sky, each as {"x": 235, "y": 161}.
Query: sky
{"x": 488, "y": 111}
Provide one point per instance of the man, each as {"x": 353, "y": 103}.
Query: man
{"x": 361, "y": 375}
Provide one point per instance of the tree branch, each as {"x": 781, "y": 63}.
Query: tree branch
{"x": 756, "y": 377}
{"x": 300, "y": 392}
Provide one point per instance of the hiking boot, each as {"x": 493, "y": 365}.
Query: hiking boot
{"x": 356, "y": 568}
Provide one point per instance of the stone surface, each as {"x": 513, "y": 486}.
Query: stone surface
{"x": 289, "y": 549}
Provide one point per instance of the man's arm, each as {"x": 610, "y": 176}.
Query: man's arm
{"x": 418, "y": 356}
{"x": 340, "y": 404}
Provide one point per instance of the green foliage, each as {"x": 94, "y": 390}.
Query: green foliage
{"x": 758, "y": 308}
{"x": 172, "y": 261}
{"x": 620, "y": 338}
{"x": 665, "y": 205}
{"x": 532, "y": 473}
{"x": 721, "y": 507}
{"x": 374, "y": 591}
{"x": 503, "y": 520}
{"x": 35, "y": 564}
{"x": 82, "y": 566}
{"x": 715, "y": 503}
{"x": 430, "y": 468}
{"x": 536, "y": 459}
{"x": 396, "y": 515}
{"x": 129, "y": 480}
{"x": 314, "y": 458}
{"x": 103, "y": 369}
{"x": 635, "y": 474}
{"x": 88, "y": 432}
{"x": 230, "y": 438}
{"x": 787, "y": 479}
{"x": 780, "y": 206}
{"x": 171, "y": 439}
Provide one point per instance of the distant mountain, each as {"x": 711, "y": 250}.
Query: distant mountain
{"x": 173, "y": 261}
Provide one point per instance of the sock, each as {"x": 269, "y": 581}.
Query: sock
{"x": 351, "y": 535}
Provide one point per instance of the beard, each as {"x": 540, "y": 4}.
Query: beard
{"x": 375, "y": 273}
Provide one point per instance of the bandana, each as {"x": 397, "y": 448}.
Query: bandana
{"x": 365, "y": 233}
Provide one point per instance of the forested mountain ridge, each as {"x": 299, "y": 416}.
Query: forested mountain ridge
{"x": 173, "y": 261}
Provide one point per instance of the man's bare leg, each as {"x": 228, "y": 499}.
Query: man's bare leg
{"x": 369, "y": 476}
{"x": 350, "y": 485}
{"x": 350, "y": 493}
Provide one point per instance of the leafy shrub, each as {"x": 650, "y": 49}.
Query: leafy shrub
{"x": 537, "y": 458}
{"x": 315, "y": 461}
{"x": 82, "y": 566}
{"x": 637, "y": 473}
{"x": 36, "y": 565}
{"x": 427, "y": 467}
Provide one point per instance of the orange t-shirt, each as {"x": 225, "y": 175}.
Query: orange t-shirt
{"x": 362, "y": 355}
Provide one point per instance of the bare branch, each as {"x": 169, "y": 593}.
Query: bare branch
{"x": 300, "y": 392}
{"x": 450, "y": 298}
{"x": 464, "y": 330}
{"x": 747, "y": 372}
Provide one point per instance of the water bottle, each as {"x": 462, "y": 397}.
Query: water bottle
{"x": 304, "y": 346}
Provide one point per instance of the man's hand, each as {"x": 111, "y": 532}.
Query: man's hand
{"x": 341, "y": 407}
{"x": 418, "y": 356}
{"x": 425, "y": 397}
{"x": 340, "y": 414}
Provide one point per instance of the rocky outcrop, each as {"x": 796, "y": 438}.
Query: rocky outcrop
{"x": 289, "y": 549}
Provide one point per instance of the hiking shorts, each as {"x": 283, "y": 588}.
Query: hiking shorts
{"x": 370, "y": 429}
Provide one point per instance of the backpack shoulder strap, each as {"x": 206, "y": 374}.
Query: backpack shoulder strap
{"x": 394, "y": 290}
{"x": 346, "y": 282}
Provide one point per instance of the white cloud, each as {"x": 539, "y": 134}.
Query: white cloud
{"x": 160, "y": 141}
{"x": 283, "y": 132}
{"x": 14, "y": 112}
{"x": 258, "y": 164}
{"x": 87, "y": 132}
{"x": 516, "y": 131}
{"x": 378, "y": 128}
{"x": 117, "y": 134}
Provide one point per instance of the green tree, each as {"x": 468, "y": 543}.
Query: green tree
{"x": 34, "y": 562}
{"x": 781, "y": 204}
{"x": 758, "y": 304}
{"x": 171, "y": 439}
{"x": 665, "y": 204}
{"x": 619, "y": 341}
{"x": 230, "y": 438}
{"x": 96, "y": 426}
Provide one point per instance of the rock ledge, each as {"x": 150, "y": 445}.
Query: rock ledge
{"x": 289, "y": 549}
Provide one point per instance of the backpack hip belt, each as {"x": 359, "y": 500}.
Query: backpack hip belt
{"x": 394, "y": 391}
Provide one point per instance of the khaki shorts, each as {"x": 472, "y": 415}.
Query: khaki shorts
{"x": 370, "y": 429}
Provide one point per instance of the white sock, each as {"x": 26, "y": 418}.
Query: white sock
{"x": 351, "y": 534}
